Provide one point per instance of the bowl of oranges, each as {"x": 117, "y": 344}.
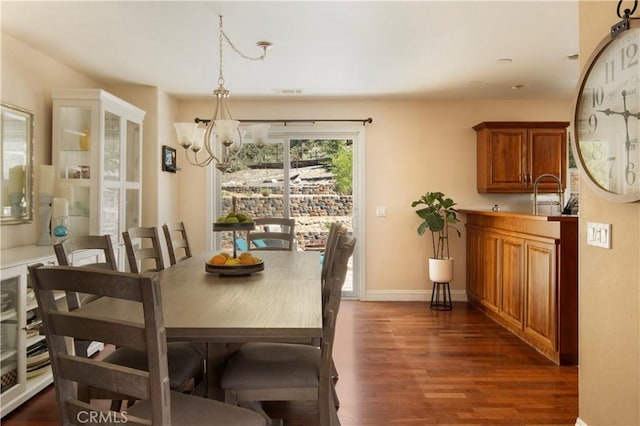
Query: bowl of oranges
{"x": 224, "y": 264}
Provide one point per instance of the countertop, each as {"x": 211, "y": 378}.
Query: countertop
{"x": 521, "y": 215}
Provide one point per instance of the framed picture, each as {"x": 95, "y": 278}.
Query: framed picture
{"x": 168, "y": 159}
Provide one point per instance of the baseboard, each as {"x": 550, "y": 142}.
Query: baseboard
{"x": 579, "y": 422}
{"x": 409, "y": 296}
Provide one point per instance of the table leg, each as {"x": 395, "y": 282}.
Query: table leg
{"x": 216, "y": 359}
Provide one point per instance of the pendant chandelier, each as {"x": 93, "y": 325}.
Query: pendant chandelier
{"x": 193, "y": 137}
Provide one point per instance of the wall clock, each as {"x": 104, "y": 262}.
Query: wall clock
{"x": 607, "y": 116}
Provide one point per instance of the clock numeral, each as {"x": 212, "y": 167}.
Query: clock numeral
{"x": 609, "y": 71}
{"x": 629, "y": 56}
{"x": 597, "y": 96}
{"x": 611, "y": 161}
{"x": 593, "y": 123}
{"x": 629, "y": 174}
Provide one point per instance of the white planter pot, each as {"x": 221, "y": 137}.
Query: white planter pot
{"x": 441, "y": 270}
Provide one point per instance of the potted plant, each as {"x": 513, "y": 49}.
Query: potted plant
{"x": 438, "y": 215}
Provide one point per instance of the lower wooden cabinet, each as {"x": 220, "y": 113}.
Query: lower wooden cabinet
{"x": 513, "y": 275}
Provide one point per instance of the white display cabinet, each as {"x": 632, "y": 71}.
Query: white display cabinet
{"x": 24, "y": 359}
{"x": 97, "y": 156}
{"x": 24, "y": 366}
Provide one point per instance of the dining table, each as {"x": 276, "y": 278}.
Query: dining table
{"x": 283, "y": 302}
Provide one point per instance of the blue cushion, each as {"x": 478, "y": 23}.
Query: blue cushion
{"x": 259, "y": 243}
{"x": 241, "y": 244}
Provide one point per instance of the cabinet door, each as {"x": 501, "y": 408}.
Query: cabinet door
{"x": 489, "y": 266}
{"x": 512, "y": 290}
{"x": 507, "y": 159}
{"x": 12, "y": 358}
{"x": 474, "y": 262}
{"x": 547, "y": 155}
{"x": 540, "y": 304}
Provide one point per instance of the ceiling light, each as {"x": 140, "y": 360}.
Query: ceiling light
{"x": 222, "y": 127}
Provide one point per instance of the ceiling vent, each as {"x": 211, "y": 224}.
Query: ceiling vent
{"x": 287, "y": 91}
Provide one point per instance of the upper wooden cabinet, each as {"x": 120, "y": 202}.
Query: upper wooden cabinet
{"x": 513, "y": 154}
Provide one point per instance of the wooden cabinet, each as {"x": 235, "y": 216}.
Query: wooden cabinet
{"x": 512, "y": 155}
{"x": 97, "y": 154}
{"x": 513, "y": 275}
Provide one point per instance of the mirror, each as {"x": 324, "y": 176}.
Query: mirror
{"x": 16, "y": 165}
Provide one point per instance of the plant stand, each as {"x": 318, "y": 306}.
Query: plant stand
{"x": 445, "y": 303}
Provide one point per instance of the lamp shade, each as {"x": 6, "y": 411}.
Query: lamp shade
{"x": 185, "y": 132}
{"x": 226, "y": 130}
{"x": 198, "y": 137}
{"x": 259, "y": 134}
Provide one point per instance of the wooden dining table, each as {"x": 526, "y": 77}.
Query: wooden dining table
{"x": 281, "y": 303}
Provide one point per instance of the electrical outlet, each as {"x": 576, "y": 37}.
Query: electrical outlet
{"x": 599, "y": 234}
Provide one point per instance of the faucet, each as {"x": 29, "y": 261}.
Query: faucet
{"x": 559, "y": 203}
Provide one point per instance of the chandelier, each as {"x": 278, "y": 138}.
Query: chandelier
{"x": 193, "y": 137}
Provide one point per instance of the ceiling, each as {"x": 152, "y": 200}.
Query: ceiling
{"x": 427, "y": 49}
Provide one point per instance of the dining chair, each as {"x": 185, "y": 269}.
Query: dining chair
{"x": 146, "y": 250}
{"x": 177, "y": 242}
{"x": 105, "y": 259}
{"x": 186, "y": 364}
{"x": 286, "y": 371}
{"x": 272, "y": 233}
{"x": 148, "y": 384}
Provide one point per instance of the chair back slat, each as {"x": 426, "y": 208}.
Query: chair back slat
{"x": 263, "y": 238}
{"x": 177, "y": 242}
{"x": 111, "y": 331}
{"x": 146, "y": 250}
{"x": 104, "y": 375}
{"x": 73, "y": 371}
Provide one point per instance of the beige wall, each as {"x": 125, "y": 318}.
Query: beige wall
{"x": 28, "y": 77}
{"x": 411, "y": 147}
{"x": 609, "y": 284}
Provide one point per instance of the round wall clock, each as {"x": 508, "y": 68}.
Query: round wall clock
{"x": 607, "y": 117}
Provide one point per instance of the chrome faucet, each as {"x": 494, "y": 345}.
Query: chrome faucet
{"x": 559, "y": 202}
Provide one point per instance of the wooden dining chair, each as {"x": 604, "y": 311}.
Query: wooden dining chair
{"x": 104, "y": 259}
{"x": 272, "y": 233}
{"x": 288, "y": 372}
{"x": 186, "y": 364}
{"x": 148, "y": 384}
{"x": 177, "y": 242}
{"x": 146, "y": 250}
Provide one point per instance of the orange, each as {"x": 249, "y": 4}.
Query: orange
{"x": 247, "y": 260}
{"x": 226, "y": 255}
{"x": 218, "y": 259}
{"x": 245, "y": 254}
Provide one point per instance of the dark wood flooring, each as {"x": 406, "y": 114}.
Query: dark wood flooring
{"x": 401, "y": 363}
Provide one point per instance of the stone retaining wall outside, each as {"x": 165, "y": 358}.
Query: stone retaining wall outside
{"x": 314, "y": 208}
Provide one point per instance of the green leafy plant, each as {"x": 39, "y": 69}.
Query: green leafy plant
{"x": 438, "y": 215}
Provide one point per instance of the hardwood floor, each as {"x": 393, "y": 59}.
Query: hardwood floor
{"x": 401, "y": 363}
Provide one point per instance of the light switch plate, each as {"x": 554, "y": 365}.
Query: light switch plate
{"x": 599, "y": 234}
{"x": 381, "y": 211}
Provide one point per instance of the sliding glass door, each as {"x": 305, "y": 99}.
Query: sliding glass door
{"x": 308, "y": 176}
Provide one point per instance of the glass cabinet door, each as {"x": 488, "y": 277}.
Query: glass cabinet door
{"x": 9, "y": 293}
{"x": 74, "y": 165}
{"x": 112, "y": 138}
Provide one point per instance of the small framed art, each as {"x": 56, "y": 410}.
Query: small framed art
{"x": 169, "y": 159}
